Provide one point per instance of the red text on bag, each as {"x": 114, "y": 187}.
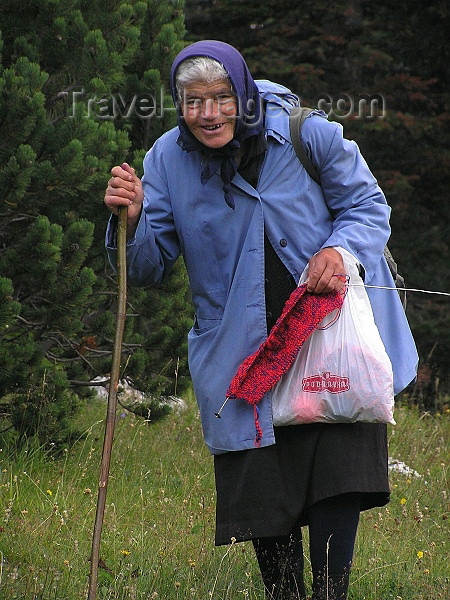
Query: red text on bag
{"x": 325, "y": 382}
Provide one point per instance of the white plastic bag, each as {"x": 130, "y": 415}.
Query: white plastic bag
{"x": 342, "y": 373}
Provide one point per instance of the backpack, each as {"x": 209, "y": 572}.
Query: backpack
{"x": 296, "y": 118}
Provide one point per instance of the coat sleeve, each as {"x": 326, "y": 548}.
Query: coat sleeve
{"x": 351, "y": 192}
{"x": 154, "y": 249}
{"x": 361, "y": 225}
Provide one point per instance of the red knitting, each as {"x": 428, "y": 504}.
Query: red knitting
{"x": 260, "y": 371}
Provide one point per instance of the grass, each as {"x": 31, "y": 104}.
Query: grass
{"x": 157, "y": 541}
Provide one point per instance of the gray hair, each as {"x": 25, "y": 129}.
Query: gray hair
{"x": 198, "y": 69}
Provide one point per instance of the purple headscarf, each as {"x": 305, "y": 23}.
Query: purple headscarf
{"x": 248, "y": 122}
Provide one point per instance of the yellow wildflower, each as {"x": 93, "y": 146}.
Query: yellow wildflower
{"x": 403, "y": 501}
{"x": 420, "y": 554}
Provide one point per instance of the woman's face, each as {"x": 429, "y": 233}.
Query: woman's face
{"x": 210, "y": 110}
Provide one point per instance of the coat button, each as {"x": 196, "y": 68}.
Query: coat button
{"x": 283, "y": 243}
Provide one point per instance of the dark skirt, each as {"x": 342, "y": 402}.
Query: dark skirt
{"x": 266, "y": 492}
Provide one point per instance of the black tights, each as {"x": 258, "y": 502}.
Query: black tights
{"x": 332, "y": 527}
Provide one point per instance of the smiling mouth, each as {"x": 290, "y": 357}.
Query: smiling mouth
{"x": 212, "y": 127}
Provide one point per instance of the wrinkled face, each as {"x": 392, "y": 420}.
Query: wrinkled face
{"x": 210, "y": 111}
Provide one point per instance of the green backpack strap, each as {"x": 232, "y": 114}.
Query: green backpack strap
{"x": 296, "y": 118}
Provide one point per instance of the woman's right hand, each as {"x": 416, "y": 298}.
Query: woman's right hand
{"x": 125, "y": 189}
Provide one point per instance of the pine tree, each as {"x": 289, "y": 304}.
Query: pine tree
{"x": 70, "y": 71}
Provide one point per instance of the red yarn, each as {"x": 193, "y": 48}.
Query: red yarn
{"x": 259, "y": 432}
{"x": 260, "y": 371}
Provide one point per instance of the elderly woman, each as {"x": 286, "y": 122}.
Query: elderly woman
{"x": 226, "y": 191}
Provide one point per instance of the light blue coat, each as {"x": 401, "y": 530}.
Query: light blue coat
{"x": 224, "y": 253}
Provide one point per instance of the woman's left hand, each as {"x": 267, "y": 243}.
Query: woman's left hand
{"x": 325, "y": 272}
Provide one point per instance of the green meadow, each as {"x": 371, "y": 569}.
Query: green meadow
{"x": 157, "y": 540}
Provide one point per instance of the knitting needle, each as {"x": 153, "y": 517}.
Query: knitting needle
{"x": 221, "y": 408}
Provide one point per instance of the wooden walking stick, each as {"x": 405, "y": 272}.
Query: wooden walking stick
{"x": 112, "y": 399}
